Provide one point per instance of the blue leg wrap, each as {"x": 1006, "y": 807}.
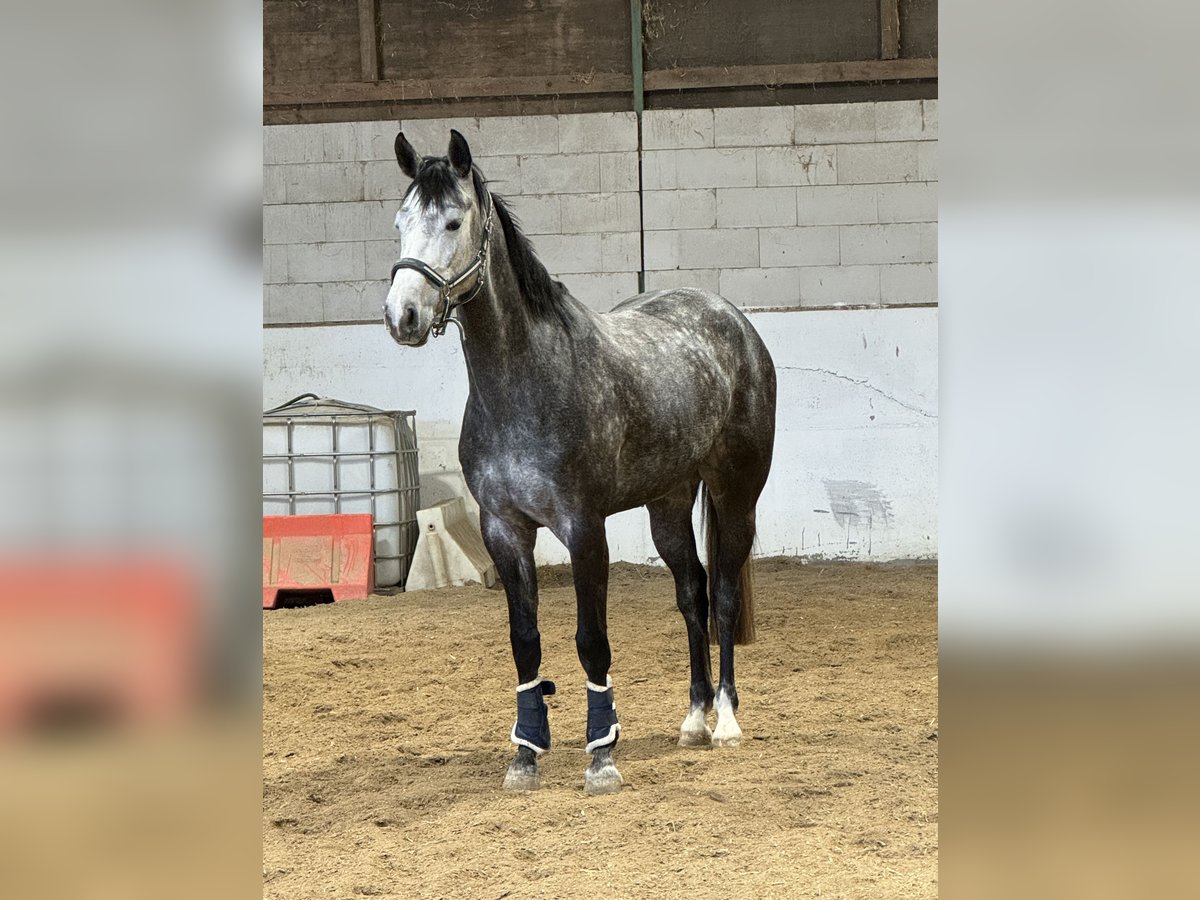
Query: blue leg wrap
{"x": 532, "y": 728}
{"x": 603, "y": 729}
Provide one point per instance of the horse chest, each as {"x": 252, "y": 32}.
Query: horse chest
{"x": 505, "y": 474}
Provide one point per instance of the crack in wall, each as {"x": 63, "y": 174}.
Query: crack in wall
{"x": 861, "y": 382}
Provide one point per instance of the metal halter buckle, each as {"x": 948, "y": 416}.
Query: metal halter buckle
{"x": 447, "y": 286}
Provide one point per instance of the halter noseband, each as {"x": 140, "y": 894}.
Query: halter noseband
{"x": 447, "y": 286}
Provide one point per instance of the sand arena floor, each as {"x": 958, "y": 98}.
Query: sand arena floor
{"x": 385, "y": 741}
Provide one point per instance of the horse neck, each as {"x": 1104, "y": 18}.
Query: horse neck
{"x": 507, "y": 348}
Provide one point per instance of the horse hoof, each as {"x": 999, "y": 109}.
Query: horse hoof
{"x": 522, "y": 778}
{"x": 605, "y": 780}
{"x": 727, "y": 734}
{"x": 695, "y": 738}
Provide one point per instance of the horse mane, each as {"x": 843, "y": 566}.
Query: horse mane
{"x": 437, "y": 185}
{"x": 546, "y": 296}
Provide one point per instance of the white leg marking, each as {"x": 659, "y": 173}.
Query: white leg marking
{"x": 727, "y": 732}
{"x": 694, "y": 732}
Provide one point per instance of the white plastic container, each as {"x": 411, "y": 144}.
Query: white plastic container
{"x": 323, "y": 456}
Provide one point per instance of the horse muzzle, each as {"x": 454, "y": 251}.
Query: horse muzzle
{"x": 406, "y": 326}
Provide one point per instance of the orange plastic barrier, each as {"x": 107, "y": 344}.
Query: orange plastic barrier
{"x": 318, "y": 553}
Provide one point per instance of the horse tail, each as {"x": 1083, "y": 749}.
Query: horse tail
{"x": 743, "y": 630}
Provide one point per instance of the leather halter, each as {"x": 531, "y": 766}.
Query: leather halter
{"x": 447, "y": 286}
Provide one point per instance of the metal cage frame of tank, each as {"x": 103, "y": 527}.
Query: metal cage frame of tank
{"x": 406, "y": 463}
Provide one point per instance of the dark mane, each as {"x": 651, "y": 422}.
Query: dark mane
{"x": 545, "y": 296}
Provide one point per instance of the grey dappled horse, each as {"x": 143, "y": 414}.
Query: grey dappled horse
{"x": 573, "y": 416}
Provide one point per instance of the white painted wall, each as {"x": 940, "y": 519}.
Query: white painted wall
{"x": 855, "y": 470}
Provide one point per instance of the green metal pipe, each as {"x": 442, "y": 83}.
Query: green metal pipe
{"x": 635, "y": 15}
{"x": 635, "y": 18}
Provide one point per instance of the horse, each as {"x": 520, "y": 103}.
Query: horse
{"x": 574, "y": 415}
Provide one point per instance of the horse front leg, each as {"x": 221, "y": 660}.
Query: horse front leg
{"x": 510, "y": 543}
{"x": 588, "y": 545}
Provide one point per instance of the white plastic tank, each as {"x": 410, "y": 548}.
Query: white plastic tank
{"x": 323, "y": 456}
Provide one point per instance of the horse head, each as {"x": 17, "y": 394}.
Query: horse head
{"x": 445, "y": 224}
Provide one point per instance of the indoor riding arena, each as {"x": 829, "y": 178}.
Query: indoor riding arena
{"x": 484, "y": 471}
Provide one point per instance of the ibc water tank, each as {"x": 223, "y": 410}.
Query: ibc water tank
{"x": 323, "y": 456}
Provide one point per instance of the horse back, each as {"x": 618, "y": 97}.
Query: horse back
{"x": 700, "y": 318}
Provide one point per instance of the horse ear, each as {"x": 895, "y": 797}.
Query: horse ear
{"x": 406, "y": 156}
{"x": 460, "y": 154}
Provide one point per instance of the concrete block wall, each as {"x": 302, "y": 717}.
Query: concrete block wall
{"x": 794, "y": 206}
{"x": 331, "y": 193}
{"x": 783, "y": 206}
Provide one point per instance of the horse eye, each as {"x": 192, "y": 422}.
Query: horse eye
{"x": 454, "y": 226}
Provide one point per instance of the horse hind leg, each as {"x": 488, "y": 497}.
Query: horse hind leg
{"x": 734, "y": 523}
{"x": 675, "y": 540}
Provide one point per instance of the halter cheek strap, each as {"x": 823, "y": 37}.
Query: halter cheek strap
{"x": 446, "y": 287}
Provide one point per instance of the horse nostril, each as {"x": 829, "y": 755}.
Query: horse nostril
{"x": 410, "y": 317}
